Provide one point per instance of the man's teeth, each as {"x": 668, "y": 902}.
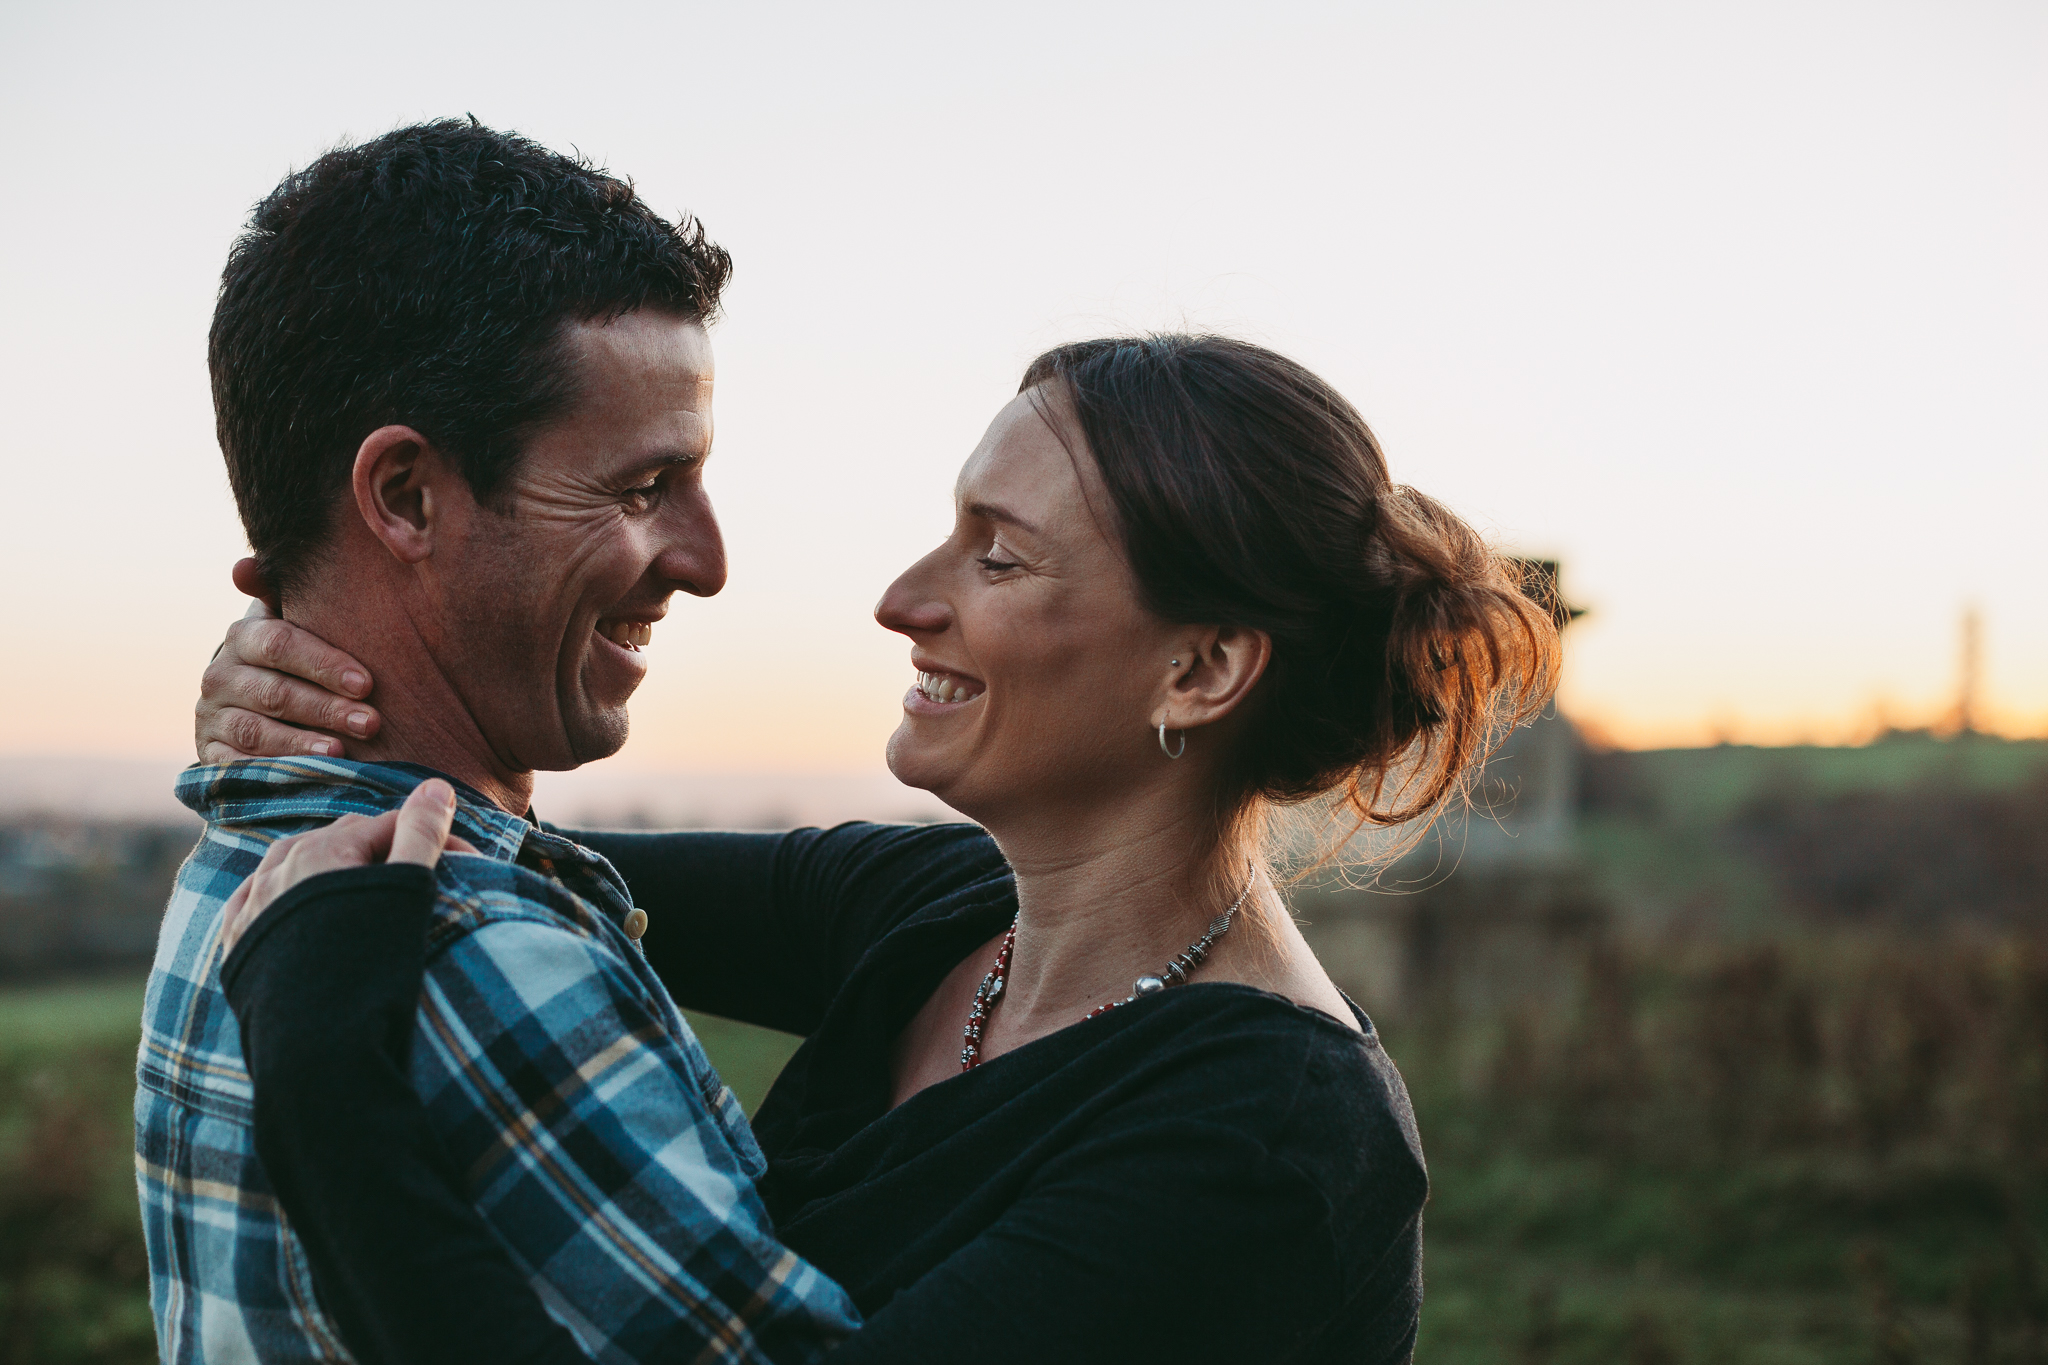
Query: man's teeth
{"x": 627, "y": 634}
{"x": 945, "y": 687}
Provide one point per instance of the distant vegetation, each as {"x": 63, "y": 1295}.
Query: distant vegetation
{"x": 1772, "y": 1084}
{"x": 1909, "y": 831}
{"x": 1761, "y": 1075}
{"x": 81, "y": 896}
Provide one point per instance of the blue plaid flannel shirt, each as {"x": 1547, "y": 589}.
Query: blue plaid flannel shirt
{"x": 616, "y": 1167}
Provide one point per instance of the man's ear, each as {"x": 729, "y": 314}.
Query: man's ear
{"x": 401, "y": 488}
{"x": 1214, "y": 671}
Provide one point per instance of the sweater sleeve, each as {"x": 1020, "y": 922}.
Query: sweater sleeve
{"x": 763, "y": 928}
{"x": 325, "y": 987}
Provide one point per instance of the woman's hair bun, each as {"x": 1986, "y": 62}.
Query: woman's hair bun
{"x": 1469, "y": 654}
{"x": 1249, "y": 492}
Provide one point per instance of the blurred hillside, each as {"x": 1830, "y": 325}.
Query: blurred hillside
{"x": 80, "y": 895}
{"x": 1565, "y": 845}
{"x": 1725, "y": 1054}
{"x": 1719, "y": 1055}
{"x": 1909, "y": 830}
{"x": 1732, "y": 840}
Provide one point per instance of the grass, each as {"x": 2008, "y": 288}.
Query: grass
{"x": 1495, "y": 1304}
{"x": 1820, "y": 1150}
{"x": 1598, "y": 1196}
{"x": 74, "y": 1281}
{"x": 41, "y": 1020}
{"x": 1556, "y": 1260}
{"x": 748, "y": 1058}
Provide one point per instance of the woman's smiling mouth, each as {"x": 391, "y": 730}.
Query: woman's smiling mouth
{"x": 947, "y": 688}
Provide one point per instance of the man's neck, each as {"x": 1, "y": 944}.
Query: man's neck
{"x": 425, "y": 719}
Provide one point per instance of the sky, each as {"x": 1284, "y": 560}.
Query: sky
{"x": 1739, "y": 310}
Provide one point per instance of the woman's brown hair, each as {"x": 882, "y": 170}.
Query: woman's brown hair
{"x": 1248, "y": 492}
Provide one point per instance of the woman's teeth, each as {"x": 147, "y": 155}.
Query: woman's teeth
{"x": 627, "y": 634}
{"x": 944, "y": 687}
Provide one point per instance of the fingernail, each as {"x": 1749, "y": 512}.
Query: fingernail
{"x": 354, "y": 683}
{"x": 445, "y": 795}
{"x": 359, "y": 721}
{"x": 323, "y": 746}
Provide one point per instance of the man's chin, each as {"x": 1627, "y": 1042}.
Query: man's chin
{"x": 596, "y": 736}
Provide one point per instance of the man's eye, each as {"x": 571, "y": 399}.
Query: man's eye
{"x": 644, "y": 494}
{"x": 994, "y": 565}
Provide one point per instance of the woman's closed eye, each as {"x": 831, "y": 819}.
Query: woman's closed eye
{"x": 997, "y": 560}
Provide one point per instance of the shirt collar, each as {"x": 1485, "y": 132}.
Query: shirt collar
{"x": 266, "y": 789}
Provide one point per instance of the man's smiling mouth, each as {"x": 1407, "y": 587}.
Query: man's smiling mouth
{"x": 627, "y": 635}
{"x": 946, "y": 687}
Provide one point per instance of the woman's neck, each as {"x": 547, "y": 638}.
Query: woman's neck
{"x": 1103, "y": 901}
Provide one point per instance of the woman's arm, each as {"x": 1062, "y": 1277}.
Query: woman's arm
{"x": 326, "y": 952}
{"x": 325, "y": 975}
{"x": 755, "y": 927}
{"x": 326, "y": 985}
{"x": 763, "y": 928}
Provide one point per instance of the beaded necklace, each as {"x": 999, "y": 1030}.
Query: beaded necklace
{"x": 1176, "y": 973}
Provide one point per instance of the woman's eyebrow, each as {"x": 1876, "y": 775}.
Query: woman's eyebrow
{"x": 989, "y": 511}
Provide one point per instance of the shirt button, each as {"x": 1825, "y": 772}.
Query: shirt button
{"x": 636, "y": 922}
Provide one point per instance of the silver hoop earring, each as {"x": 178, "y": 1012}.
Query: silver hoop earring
{"x": 1172, "y": 753}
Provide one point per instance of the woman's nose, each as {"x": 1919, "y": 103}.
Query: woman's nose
{"x": 910, "y": 607}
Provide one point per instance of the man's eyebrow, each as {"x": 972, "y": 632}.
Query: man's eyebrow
{"x": 989, "y": 511}
{"x": 669, "y": 459}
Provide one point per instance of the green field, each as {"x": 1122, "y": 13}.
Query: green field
{"x": 1593, "y": 1200}
{"x": 74, "y": 1283}
{"x": 1699, "y": 787}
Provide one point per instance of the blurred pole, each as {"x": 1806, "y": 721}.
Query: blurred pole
{"x": 1966, "y": 695}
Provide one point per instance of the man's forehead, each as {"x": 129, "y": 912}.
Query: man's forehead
{"x": 646, "y": 347}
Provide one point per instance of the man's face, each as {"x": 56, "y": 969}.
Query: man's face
{"x": 549, "y": 599}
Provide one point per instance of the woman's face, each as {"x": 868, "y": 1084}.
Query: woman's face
{"x": 1039, "y": 668}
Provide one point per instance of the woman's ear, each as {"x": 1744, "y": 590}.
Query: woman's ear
{"x": 1217, "y": 670}
{"x": 400, "y": 482}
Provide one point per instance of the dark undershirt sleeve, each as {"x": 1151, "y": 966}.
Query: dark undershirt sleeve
{"x": 763, "y": 928}
{"x": 325, "y": 986}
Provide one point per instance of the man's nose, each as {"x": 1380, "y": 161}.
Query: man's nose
{"x": 692, "y": 559}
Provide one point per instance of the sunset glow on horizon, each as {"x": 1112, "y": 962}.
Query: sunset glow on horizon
{"x": 1739, "y": 311}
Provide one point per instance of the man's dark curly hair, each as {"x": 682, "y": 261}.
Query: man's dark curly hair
{"x": 424, "y": 278}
